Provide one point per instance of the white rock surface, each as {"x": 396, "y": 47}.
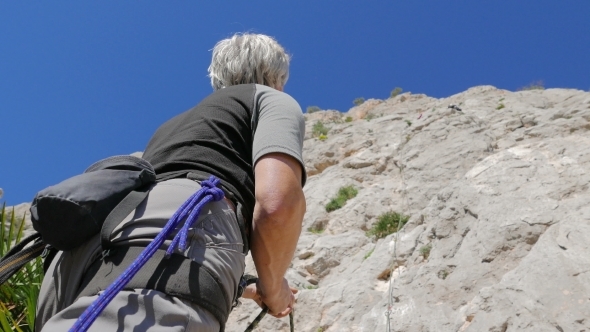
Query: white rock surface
{"x": 499, "y": 191}
{"x": 21, "y": 212}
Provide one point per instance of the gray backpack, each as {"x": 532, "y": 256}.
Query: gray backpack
{"x": 69, "y": 213}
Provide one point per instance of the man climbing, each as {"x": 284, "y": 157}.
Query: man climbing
{"x": 249, "y": 134}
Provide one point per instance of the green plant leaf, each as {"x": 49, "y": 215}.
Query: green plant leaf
{"x": 344, "y": 194}
{"x": 18, "y": 295}
{"x": 319, "y": 129}
{"x": 388, "y": 223}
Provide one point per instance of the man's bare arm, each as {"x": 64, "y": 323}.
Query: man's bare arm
{"x": 278, "y": 215}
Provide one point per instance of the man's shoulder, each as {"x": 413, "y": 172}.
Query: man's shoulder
{"x": 251, "y": 89}
{"x": 266, "y": 97}
{"x": 244, "y": 90}
{"x": 236, "y": 89}
{"x": 267, "y": 90}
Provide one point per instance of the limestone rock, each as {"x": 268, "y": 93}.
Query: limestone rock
{"x": 21, "y": 212}
{"x": 361, "y": 111}
{"x": 498, "y": 196}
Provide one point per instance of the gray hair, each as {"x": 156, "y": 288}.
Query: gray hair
{"x": 249, "y": 58}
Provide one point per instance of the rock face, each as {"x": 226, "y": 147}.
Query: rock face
{"x": 21, "y": 212}
{"x": 499, "y": 234}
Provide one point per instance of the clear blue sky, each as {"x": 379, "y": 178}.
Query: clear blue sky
{"x": 80, "y": 81}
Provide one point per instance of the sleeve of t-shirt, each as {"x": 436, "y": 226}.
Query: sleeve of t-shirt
{"x": 278, "y": 125}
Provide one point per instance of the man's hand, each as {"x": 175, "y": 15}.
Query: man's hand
{"x": 279, "y": 304}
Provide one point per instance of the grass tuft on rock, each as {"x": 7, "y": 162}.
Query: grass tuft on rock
{"x": 344, "y": 194}
{"x": 395, "y": 92}
{"x": 536, "y": 85}
{"x": 367, "y": 255}
{"x": 388, "y": 223}
{"x": 312, "y": 109}
{"x": 425, "y": 251}
{"x": 319, "y": 129}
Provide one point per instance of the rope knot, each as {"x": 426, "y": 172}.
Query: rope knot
{"x": 211, "y": 185}
{"x": 209, "y": 192}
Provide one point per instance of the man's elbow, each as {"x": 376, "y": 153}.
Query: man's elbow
{"x": 278, "y": 208}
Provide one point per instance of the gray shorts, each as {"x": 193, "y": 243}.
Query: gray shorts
{"x": 215, "y": 242}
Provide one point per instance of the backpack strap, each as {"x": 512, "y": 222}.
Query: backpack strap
{"x": 18, "y": 256}
{"x": 177, "y": 276}
{"x": 120, "y": 212}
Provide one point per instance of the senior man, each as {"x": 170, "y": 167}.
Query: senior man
{"x": 249, "y": 134}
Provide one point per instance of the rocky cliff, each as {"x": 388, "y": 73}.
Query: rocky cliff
{"x": 21, "y": 212}
{"x": 497, "y": 190}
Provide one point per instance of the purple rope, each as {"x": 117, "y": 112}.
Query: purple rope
{"x": 191, "y": 207}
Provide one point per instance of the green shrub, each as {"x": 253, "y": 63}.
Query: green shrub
{"x": 322, "y": 137}
{"x": 18, "y": 295}
{"x": 370, "y": 116}
{"x": 348, "y": 119}
{"x": 316, "y": 230}
{"x": 443, "y": 274}
{"x": 409, "y": 123}
{"x": 367, "y": 255}
{"x": 312, "y": 109}
{"x": 501, "y": 106}
{"x": 319, "y": 129}
{"x": 344, "y": 194}
{"x": 395, "y": 92}
{"x": 425, "y": 251}
{"x": 536, "y": 85}
{"x": 358, "y": 101}
{"x": 388, "y": 223}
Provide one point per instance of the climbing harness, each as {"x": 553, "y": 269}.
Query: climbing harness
{"x": 189, "y": 210}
